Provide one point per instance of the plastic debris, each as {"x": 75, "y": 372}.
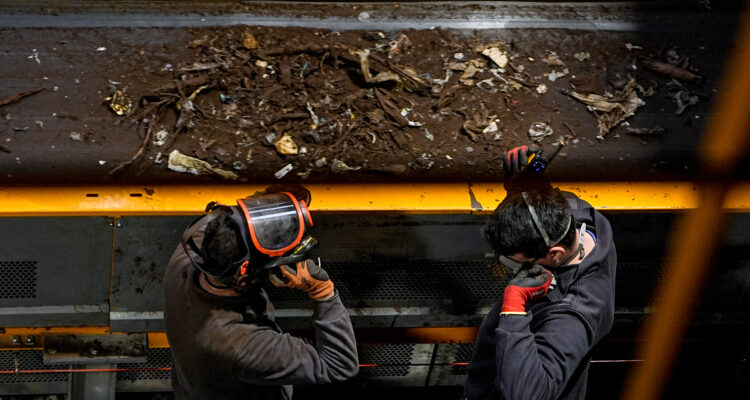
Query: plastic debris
{"x": 249, "y": 42}
{"x": 364, "y": 16}
{"x": 340, "y": 167}
{"x": 499, "y": 57}
{"x": 539, "y": 130}
{"x": 429, "y": 135}
{"x": 321, "y": 162}
{"x": 553, "y": 60}
{"x": 238, "y": 165}
{"x": 405, "y": 112}
{"x": 582, "y": 56}
{"x": 101, "y": 49}
{"x": 120, "y": 103}
{"x": 632, "y": 47}
{"x": 283, "y": 171}
{"x": 261, "y": 63}
{"x": 541, "y": 89}
{"x": 610, "y": 110}
{"x": 469, "y": 68}
{"x": 491, "y": 127}
{"x": 314, "y": 117}
{"x": 34, "y": 56}
{"x": 459, "y": 57}
{"x": 182, "y": 163}
{"x": 76, "y": 136}
{"x": 399, "y": 46}
{"x": 286, "y": 145}
{"x": 270, "y": 138}
{"x": 160, "y": 137}
{"x": 555, "y": 75}
{"x": 684, "y": 99}
{"x": 102, "y": 162}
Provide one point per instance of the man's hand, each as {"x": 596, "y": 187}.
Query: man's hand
{"x": 309, "y": 277}
{"x": 517, "y": 159}
{"x": 528, "y": 284}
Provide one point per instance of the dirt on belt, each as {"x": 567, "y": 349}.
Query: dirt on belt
{"x": 228, "y": 96}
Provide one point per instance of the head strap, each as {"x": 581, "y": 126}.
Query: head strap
{"x": 538, "y": 223}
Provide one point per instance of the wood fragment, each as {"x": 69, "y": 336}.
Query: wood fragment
{"x": 186, "y": 84}
{"x": 390, "y": 108}
{"x": 572, "y": 132}
{"x": 4, "y": 148}
{"x": 413, "y": 81}
{"x": 669, "y": 69}
{"x": 19, "y": 95}
{"x": 121, "y": 167}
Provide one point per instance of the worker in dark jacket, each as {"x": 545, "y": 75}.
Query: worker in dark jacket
{"x": 220, "y": 322}
{"x": 536, "y": 343}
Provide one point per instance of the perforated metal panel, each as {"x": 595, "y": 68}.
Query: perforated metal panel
{"x": 18, "y": 279}
{"x": 389, "y": 359}
{"x": 28, "y": 360}
{"x": 157, "y": 358}
{"x": 416, "y": 282}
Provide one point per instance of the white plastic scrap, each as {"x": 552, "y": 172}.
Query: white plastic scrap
{"x": 491, "y": 127}
{"x": 314, "y": 117}
{"x": 283, "y": 171}
{"x": 429, "y": 135}
{"x": 101, "y": 49}
{"x": 160, "y": 137}
{"x": 541, "y": 89}
{"x": 34, "y": 56}
{"x": 405, "y": 112}
{"x": 182, "y": 163}
{"x": 554, "y": 75}
{"x": 539, "y": 130}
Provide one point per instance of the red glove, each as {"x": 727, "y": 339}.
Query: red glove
{"x": 528, "y": 284}
{"x": 517, "y": 159}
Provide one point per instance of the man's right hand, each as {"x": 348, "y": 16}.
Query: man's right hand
{"x": 309, "y": 277}
{"x": 517, "y": 159}
{"x": 528, "y": 284}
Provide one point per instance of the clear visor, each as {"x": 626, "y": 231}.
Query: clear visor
{"x": 275, "y": 221}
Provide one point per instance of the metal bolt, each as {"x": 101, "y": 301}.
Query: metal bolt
{"x": 30, "y": 340}
{"x": 15, "y": 339}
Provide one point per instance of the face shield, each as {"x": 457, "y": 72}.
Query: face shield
{"x": 271, "y": 228}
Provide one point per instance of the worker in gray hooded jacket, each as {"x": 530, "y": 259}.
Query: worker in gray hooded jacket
{"x": 220, "y": 322}
{"x": 559, "y": 303}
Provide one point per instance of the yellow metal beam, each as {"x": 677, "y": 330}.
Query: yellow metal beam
{"x": 114, "y": 201}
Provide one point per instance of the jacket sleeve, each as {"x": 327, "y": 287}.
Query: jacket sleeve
{"x": 263, "y": 356}
{"x": 538, "y": 366}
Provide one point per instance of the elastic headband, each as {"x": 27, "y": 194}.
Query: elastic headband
{"x": 538, "y": 224}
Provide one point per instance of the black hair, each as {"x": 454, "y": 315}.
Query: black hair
{"x": 221, "y": 245}
{"x": 511, "y": 229}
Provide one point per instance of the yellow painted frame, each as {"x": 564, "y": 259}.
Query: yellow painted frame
{"x": 425, "y": 198}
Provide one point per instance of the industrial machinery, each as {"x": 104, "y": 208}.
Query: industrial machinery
{"x": 82, "y": 254}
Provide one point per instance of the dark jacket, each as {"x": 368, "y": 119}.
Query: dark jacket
{"x": 231, "y": 347}
{"x": 545, "y": 354}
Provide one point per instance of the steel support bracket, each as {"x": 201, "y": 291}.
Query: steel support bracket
{"x": 95, "y": 349}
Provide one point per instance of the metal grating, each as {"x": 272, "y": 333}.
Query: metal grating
{"x": 392, "y": 359}
{"x": 459, "y": 283}
{"x": 18, "y": 279}
{"x": 157, "y": 358}
{"x": 29, "y": 360}
{"x": 462, "y": 355}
